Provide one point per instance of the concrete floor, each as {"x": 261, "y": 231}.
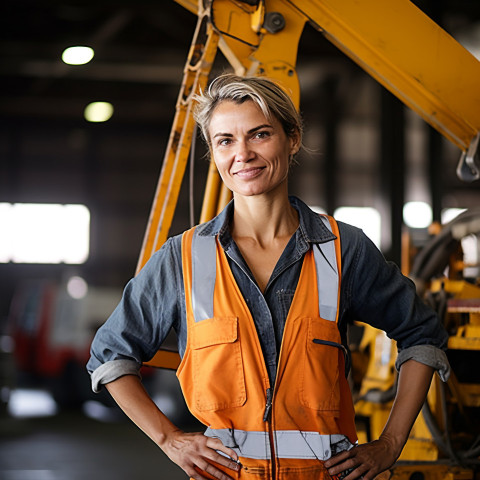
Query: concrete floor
{"x": 71, "y": 446}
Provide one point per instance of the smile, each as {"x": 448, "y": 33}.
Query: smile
{"x": 249, "y": 172}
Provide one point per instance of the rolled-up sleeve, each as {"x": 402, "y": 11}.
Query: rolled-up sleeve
{"x": 378, "y": 294}
{"x": 149, "y": 308}
{"x": 110, "y": 371}
{"x": 428, "y": 355}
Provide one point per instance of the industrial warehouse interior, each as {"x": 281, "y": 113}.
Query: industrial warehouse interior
{"x": 76, "y": 192}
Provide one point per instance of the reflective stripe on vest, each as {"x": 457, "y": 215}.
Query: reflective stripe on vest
{"x": 288, "y": 443}
{"x": 204, "y": 273}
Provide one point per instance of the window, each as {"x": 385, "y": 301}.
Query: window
{"x": 44, "y": 233}
{"x": 366, "y": 218}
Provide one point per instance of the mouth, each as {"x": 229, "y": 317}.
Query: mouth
{"x": 249, "y": 172}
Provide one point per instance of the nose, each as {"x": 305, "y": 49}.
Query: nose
{"x": 243, "y": 152}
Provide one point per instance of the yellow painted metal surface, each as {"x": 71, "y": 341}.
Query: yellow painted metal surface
{"x": 212, "y": 193}
{"x": 433, "y": 471}
{"x": 394, "y": 41}
{"x": 467, "y": 334}
{"x": 197, "y": 69}
{"x": 251, "y": 49}
{"x": 402, "y": 48}
{"x": 467, "y": 337}
{"x": 382, "y": 356}
{"x": 460, "y": 289}
{"x": 224, "y": 198}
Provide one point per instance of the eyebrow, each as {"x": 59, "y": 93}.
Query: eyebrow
{"x": 252, "y": 130}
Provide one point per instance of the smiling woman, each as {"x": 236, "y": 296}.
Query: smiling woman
{"x": 260, "y": 298}
{"x": 252, "y": 153}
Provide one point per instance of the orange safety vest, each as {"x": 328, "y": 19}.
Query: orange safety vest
{"x": 285, "y": 431}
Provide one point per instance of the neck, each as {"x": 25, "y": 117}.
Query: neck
{"x": 264, "y": 218}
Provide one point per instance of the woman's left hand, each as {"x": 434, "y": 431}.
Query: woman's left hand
{"x": 370, "y": 459}
{"x": 364, "y": 461}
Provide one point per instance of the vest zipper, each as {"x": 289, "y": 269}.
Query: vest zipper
{"x": 267, "y": 418}
{"x": 268, "y": 405}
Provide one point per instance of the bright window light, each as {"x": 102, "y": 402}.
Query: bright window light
{"x": 31, "y": 403}
{"x": 98, "y": 112}
{"x": 79, "y": 55}
{"x": 366, "y": 218}
{"x": 417, "y": 214}
{"x": 44, "y": 233}
{"x": 6, "y": 237}
{"x": 448, "y": 214}
{"x": 471, "y": 256}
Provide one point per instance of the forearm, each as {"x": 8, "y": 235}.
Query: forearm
{"x": 413, "y": 384}
{"x": 368, "y": 460}
{"x": 193, "y": 452}
{"x": 131, "y": 396}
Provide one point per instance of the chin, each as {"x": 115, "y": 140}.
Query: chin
{"x": 253, "y": 189}
{"x": 251, "y": 193}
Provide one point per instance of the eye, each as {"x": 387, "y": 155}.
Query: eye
{"x": 262, "y": 134}
{"x": 223, "y": 142}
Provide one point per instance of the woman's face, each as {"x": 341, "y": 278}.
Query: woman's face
{"x": 251, "y": 152}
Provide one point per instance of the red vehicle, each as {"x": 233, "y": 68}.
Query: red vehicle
{"x": 52, "y": 331}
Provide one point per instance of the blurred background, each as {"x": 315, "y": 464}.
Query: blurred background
{"x": 76, "y": 190}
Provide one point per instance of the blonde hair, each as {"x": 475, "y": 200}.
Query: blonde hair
{"x": 266, "y": 94}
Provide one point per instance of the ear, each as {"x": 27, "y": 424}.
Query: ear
{"x": 294, "y": 142}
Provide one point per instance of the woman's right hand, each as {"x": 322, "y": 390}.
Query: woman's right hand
{"x": 195, "y": 452}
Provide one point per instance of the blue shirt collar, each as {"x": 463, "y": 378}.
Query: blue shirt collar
{"x": 311, "y": 228}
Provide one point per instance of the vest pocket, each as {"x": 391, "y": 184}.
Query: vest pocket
{"x": 218, "y": 375}
{"x": 320, "y": 387}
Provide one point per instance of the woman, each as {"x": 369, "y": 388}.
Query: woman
{"x": 260, "y": 298}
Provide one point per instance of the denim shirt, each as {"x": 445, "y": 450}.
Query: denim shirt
{"x": 372, "y": 291}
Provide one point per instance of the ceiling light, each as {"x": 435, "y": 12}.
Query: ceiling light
{"x": 98, "y": 111}
{"x": 366, "y": 218}
{"x": 417, "y": 214}
{"x": 77, "y": 55}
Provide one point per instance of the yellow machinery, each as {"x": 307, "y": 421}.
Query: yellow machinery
{"x": 445, "y": 440}
{"x": 435, "y": 76}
